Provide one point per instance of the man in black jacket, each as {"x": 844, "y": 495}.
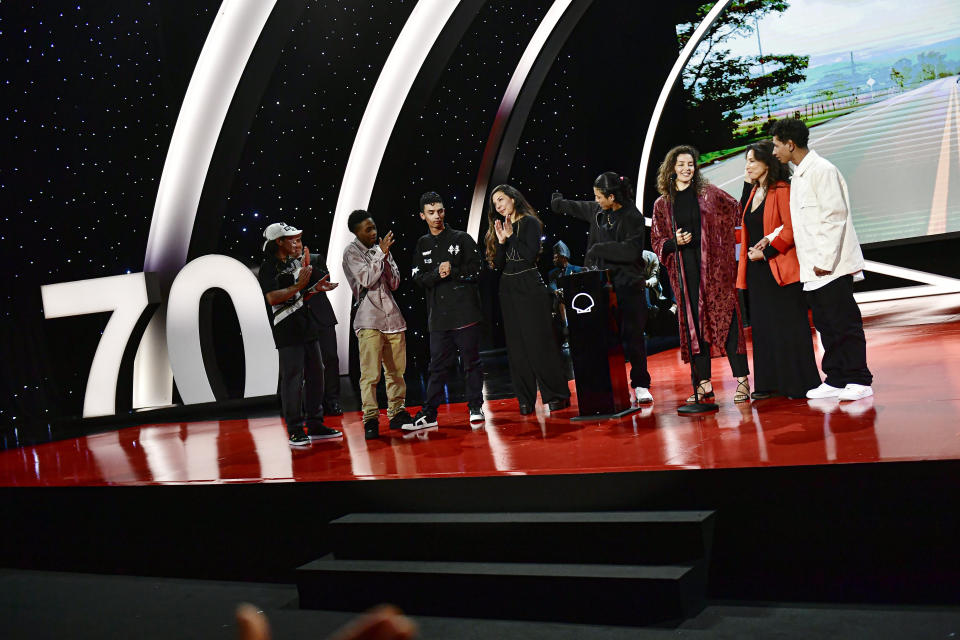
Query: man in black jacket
{"x": 288, "y": 279}
{"x": 617, "y": 231}
{"x": 447, "y": 263}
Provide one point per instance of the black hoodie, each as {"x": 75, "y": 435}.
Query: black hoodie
{"x": 616, "y": 239}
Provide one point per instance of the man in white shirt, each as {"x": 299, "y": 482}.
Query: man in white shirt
{"x": 830, "y": 261}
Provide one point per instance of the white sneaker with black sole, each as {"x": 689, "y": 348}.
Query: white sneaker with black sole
{"x": 422, "y": 420}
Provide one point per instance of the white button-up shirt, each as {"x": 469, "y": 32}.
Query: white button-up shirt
{"x": 822, "y": 224}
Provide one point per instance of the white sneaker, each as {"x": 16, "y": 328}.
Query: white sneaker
{"x": 824, "y": 391}
{"x": 643, "y": 395}
{"x": 855, "y": 392}
{"x": 476, "y": 414}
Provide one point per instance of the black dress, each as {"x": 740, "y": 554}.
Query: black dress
{"x": 783, "y": 358}
{"x": 526, "y": 303}
{"x": 686, "y": 211}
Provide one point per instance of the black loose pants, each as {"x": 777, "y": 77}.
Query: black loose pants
{"x": 301, "y": 366}
{"x": 837, "y": 317}
{"x": 444, "y": 346}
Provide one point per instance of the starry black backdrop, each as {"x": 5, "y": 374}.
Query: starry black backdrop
{"x": 91, "y": 92}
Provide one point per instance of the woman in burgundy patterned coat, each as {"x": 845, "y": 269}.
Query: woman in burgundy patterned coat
{"x": 706, "y": 217}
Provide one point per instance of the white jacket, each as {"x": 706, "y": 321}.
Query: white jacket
{"x": 822, "y": 224}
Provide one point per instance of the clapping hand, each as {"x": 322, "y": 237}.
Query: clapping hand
{"x": 386, "y": 242}
{"x": 683, "y": 237}
{"x": 444, "y": 269}
{"x": 381, "y": 623}
{"x": 323, "y": 284}
{"x": 754, "y": 254}
{"x": 503, "y": 229}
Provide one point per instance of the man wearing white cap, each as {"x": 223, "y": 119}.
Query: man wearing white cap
{"x": 288, "y": 280}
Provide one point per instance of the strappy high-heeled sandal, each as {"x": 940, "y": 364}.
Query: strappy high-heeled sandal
{"x": 705, "y": 396}
{"x": 743, "y": 391}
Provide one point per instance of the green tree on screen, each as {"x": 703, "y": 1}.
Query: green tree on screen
{"x": 718, "y": 85}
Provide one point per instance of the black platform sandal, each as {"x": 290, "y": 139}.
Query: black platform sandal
{"x": 743, "y": 391}
{"x": 705, "y": 396}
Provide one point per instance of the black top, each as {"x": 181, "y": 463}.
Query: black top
{"x": 686, "y": 213}
{"x": 452, "y": 302}
{"x": 292, "y": 321}
{"x": 616, "y": 239}
{"x": 520, "y": 251}
{"x": 753, "y": 224}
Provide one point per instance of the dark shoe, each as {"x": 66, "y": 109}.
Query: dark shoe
{"x": 422, "y": 420}
{"x": 702, "y": 395}
{"x": 763, "y": 395}
{"x": 476, "y": 414}
{"x": 559, "y": 405}
{"x": 401, "y": 421}
{"x": 320, "y": 431}
{"x": 298, "y": 439}
{"x": 333, "y": 408}
{"x": 526, "y": 409}
{"x": 371, "y": 429}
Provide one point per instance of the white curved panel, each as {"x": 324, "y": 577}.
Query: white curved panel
{"x": 517, "y": 80}
{"x": 407, "y": 56}
{"x": 183, "y": 327}
{"x": 224, "y": 56}
{"x": 675, "y": 72}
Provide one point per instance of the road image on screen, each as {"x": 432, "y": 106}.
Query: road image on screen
{"x": 877, "y": 82}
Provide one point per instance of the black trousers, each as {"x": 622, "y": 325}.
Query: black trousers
{"x": 444, "y": 346}
{"x": 738, "y": 361}
{"x": 532, "y": 352}
{"x": 837, "y": 317}
{"x": 301, "y": 366}
{"x": 331, "y": 364}
{"x": 633, "y": 320}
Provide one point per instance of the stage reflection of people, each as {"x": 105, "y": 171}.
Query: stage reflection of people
{"x": 287, "y": 280}
{"x": 783, "y": 360}
{"x": 513, "y": 244}
{"x": 830, "y": 261}
{"x": 616, "y": 240}
{"x": 705, "y": 220}
{"x": 447, "y": 265}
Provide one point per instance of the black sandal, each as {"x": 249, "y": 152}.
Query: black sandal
{"x": 705, "y": 396}
{"x": 743, "y": 391}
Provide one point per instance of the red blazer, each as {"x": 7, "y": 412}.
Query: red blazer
{"x": 776, "y": 211}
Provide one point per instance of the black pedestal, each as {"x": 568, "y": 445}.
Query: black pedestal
{"x": 595, "y": 345}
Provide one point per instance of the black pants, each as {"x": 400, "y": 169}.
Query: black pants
{"x": 532, "y": 352}
{"x": 301, "y": 366}
{"x": 633, "y": 320}
{"x": 738, "y": 361}
{"x": 331, "y": 364}
{"x": 444, "y": 346}
{"x": 837, "y": 317}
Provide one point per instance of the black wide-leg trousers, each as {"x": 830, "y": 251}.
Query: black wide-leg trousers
{"x": 301, "y": 367}
{"x": 837, "y": 317}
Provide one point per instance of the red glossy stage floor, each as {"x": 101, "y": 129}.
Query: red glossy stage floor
{"x": 913, "y": 416}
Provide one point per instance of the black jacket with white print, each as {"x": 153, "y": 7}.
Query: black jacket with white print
{"x": 453, "y": 302}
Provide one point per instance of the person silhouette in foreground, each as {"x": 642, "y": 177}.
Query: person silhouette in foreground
{"x": 384, "y": 622}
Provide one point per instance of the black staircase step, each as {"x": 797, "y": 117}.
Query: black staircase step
{"x": 608, "y": 593}
{"x": 619, "y": 537}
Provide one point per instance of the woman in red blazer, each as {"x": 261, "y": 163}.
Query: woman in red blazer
{"x": 783, "y": 360}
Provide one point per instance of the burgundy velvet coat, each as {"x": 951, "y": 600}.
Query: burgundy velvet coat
{"x": 719, "y": 215}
